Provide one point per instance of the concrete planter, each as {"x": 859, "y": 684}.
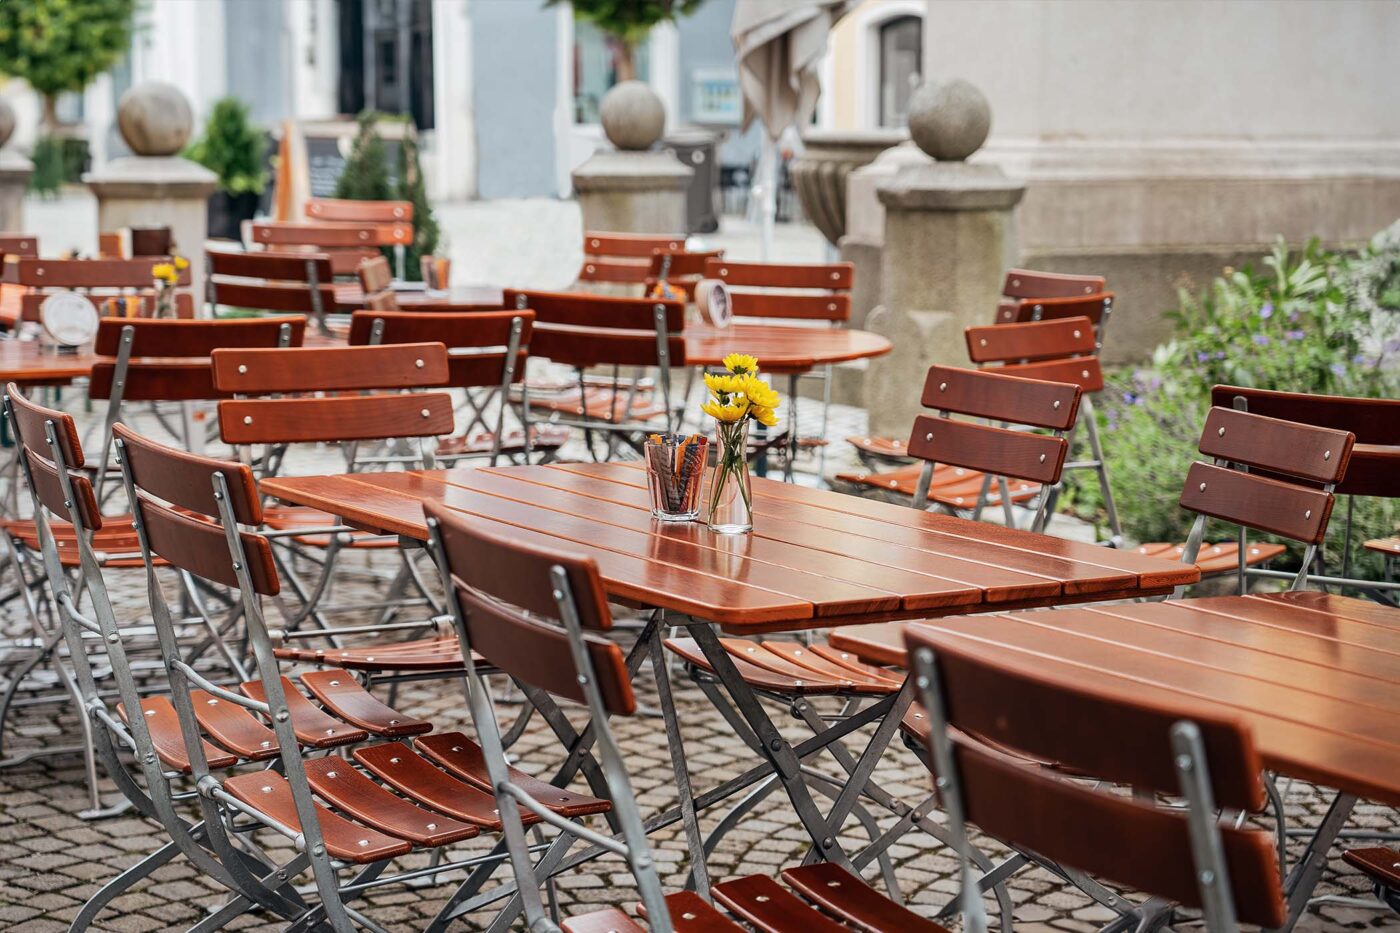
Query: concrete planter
{"x": 819, "y": 174}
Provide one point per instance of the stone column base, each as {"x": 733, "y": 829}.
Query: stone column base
{"x": 632, "y": 192}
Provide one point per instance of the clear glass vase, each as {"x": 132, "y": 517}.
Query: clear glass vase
{"x": 729, "y": 505}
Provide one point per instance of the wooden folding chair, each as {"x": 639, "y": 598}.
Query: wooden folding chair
{"x": 487, "y": 350}
{"x": 338, "y": 810}
{"x": 538, "y": 613}
{"x": 585, "y": 331}
{"x": 277, "y": 282}
{"x": 392, "y": 214}
{"x": 114, "y": 286}
{"x": 813, "y": 293}
{"x": 347, "y": 244}
{"x": 351, "y": 413}
{"x": 624, "y": 258}
{"x": 989, "y": 713}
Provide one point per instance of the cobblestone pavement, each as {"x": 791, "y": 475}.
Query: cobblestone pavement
{"x": 51, "y": 861}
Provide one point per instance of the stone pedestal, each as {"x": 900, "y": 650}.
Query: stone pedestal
{"x": 15, "y": 170}
{"x": 819, "y": 174}
{"x": 158, "y": 191}
{"x": 949, "y": 237}
{"x": 632, "y": 192}
{"x": 864, "y": 236}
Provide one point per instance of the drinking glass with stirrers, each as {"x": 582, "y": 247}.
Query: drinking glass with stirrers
{"x": 675, "y": 473}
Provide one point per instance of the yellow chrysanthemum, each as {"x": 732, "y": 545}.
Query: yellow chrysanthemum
{"x": 759, "y": 392}
{"x": 764, "y": 416}
{"x": 163, "y": 271}
{"x": 740, "y": 364}
{"x": 723, "y": 383}
{"x": 181, "y": 263}
{"x": 727, "y": 413}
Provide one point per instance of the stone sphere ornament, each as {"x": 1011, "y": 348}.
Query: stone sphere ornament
{"x": 155, "y": 119}
{"x": 633, "y": 116}
{"x": 950, "y": 119}
{"x": 7, "y": 121}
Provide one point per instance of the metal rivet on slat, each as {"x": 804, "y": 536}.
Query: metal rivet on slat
{"x": 393, "y": 761}
{"x": 1056, "y": 405}
{"x": 831, "y": 306}
{"x": 330, "y": 732}
{"x": 393, "y": 722}
{"x": 425, "y": 413}
{"x": 1042, "y": 458}
{"x": 335, "y": 683}
{"x": 1221, "y": 432}
{"x": 364, "y": 234}
{"x": 1016, "y": 283}
{"x": 1327, "y": 455}
{"x": 835, "y": 276}
{"x": 762, "y": 898}
{"x": 1203, "y": 487}
{"x": 331, "y": 774}
{"x": 458, "y": 748}
{"x": 1084, "y": 374}
{"x": 943, "y": 387}
{"x": 982, "y": 341}
{"x": 418, "y": 363}
{"x": 724, "y": 272}
{"x": 247, "y": 419}
{"x": 39, "y": 271}
{"x": 928, "y": 436}
{"x": 432, "y": 826}
{"x": 267, "y": 788}
{"x": 1076, "y": 333}
{"x": 364, "y": 843}
{"x": 265, "y": 744}
{"x": 1308, "y": 513}
{"x": 242, "y": 369}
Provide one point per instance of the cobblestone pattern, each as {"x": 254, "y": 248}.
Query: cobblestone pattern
{"x": 51, "y": 861}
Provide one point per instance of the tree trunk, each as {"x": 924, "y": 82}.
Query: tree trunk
{"x": 50, "y": 114}
{"x": 626, "y": 61}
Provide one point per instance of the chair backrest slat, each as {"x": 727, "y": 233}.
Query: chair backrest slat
{"x": 332, "y": 235}
{"x": 49, "y": 489}
{"x": 1036, "y": 340}
{"x": 680, "y": 264}
{"x": 375, "y": 275}
{"x": 1094, "y": 307}
{"x": 1279, "y": 446}
{"x": 1027, "y": 283}
{"x": 268, "y": 296}
{"x": 345, "y": 418}
{"x": 999, "y": 706}
{"x": 155, "y": 381}
{"x": 599, "y": 346}
{"x": 1083, "y": 371}
{"x": 202, "y": 549}
{"x": 349, "y": 210}
{"x": 797, "y": 307}
{"x": 585, "y": 310}
{"x": 836, "y": 276}
{"x": 636, "y": 245}
{"x": 32, "y": 418}
{"x": 1258, "y": 502}
{"x": 317, "y": 369}
{"x": 1019, "y": 454}
{"x": 166, "y": 338}
{"x": 23, "y": 245}
{"x": 90, "y": 273}
{"x": 454, "y": 329}
{"x": 268, "y": 264}
{"x": 186, "y": 480}
{"x": 30, "y": 422}
{"x": 983, "y": 394}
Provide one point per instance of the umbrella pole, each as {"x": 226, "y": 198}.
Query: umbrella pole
{"x": 767, "y": 193}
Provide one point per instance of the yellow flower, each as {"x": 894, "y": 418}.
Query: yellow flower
{"x": 740, "y": 363}
{"x": 759, "y": 392}
{"x": 727, "y": 413}
{"x": 181, "y": 263}
{"x": 164, "y": 272}
{"x": 764, "y": 416}
{"x": 723, "y": 383}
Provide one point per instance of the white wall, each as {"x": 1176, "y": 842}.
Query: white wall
{"x": 183, "y": 43}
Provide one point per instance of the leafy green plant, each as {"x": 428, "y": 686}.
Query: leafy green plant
{"x": 1294, "y": 325}
{"x": 49, "y": 170}
{"x": 61, "y": 45}
{"x": 232, "y": 148}
{"x": 366, "y": 173}
{"x": 629, "y": 22}
{"x": 425, "y": 226}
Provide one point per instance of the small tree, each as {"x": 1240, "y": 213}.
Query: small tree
{"x": 629, "y": 22}
{"x": 425, "y": 226}
{"x": 61, "y": 45}
{"x": 366, "y": 173}
{"x": 232, "y": 148}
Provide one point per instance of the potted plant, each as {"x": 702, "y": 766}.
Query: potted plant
{"x": 234, "y": 150}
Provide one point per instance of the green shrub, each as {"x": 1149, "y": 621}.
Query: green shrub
{"x": 1294, "y": 325}
{"x": 365, "y": 176}
{"x": 232, "y": 148}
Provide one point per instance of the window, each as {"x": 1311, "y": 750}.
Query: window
{"x": 901, "y": 61}
{"x": 596, "y": 60}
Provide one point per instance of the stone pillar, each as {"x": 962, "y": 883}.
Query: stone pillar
{"x": 819, "y": 174}
{"x": 156, "y": 187}
{"x": 632, "y": 189}
{"x": 949, "y": 237}
{"x": 863, "y": 242}
{"x": 15, "y": 170}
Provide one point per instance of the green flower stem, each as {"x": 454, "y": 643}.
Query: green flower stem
{"x": 732, "y": 459}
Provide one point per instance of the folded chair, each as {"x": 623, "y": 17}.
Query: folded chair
{"x": 1152, "y": 740}
{"x": 142, "y": 361}
{"x": 539, "y": 614}
{"x": 267, "y": 281}
{"x": 487, "y": 355}
{"x": 585, "y": 331}
{"x": 338, "y": 811}
{"x": 624, "y": 258}
{"x": 382, "y": 213}
{"x": 115, "y": 286}
{"x": 347, "y": 244}
{"x": 350, "y": 413}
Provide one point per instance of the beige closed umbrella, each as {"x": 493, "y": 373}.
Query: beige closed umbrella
{"x": 779, "y": 45}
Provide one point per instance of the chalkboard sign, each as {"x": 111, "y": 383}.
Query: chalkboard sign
{"x": 326, "y": 145}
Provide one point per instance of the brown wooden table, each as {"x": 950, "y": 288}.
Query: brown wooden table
{"x": 816, "y": 558}
{"x": 31, "y": 364}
